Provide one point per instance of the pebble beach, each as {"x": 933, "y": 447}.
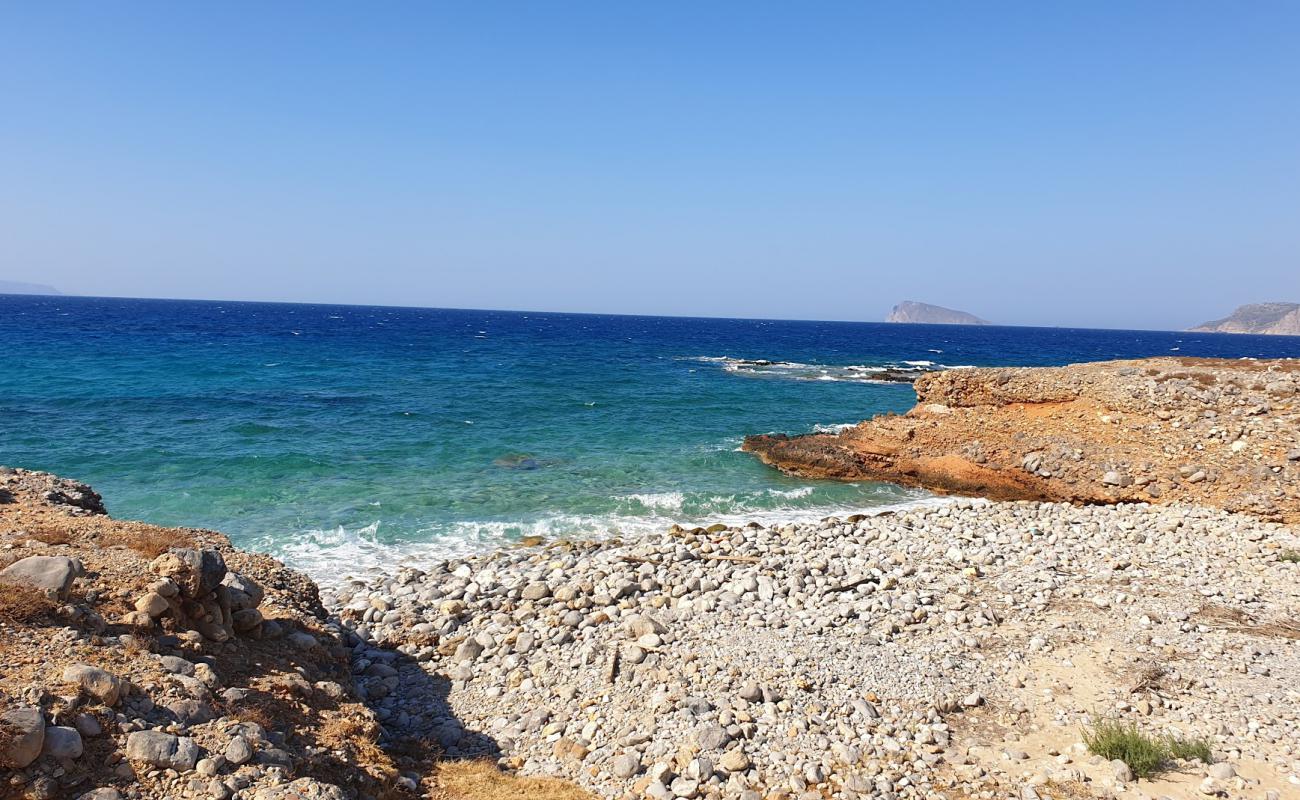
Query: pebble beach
{"x": 961, "y": 648}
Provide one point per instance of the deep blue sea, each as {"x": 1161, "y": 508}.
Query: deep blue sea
{"x": 346, "y": 437}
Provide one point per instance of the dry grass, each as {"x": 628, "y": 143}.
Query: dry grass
{"x": 1146, "y": 677}
{"x": 1238, "y": 621}
{"x": 50, "y": 535}
{"x": 148, "y": 542}
{"x": 481, "y": 780}
{"x": 23, "y": 605}
{"x": 1065, "y": 790}
{"x": 256, "y": 708}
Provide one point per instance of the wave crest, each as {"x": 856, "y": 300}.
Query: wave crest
{"x": 888, "y": 372}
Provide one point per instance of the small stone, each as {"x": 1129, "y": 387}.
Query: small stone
{"x": 239, "y": 751}
{"x": 153, "y": 604}
{"x": 176, "y": 665}
{"x": 734, "y": 760}
{"x": 1222, "y": 771}
{"x": 302, "y": 640}
{"x": 24, "y": 737}
{"x": 1116, "y": 478}
{"x": 87, "y": 725}
{"x": 625, "y": 765}
{"x": 1121, "y": 771}
{"x": 162, "y": 750}
{"x": 100, "y": 684}
{"x": 536, "y": 590}
{"x": 62, "y": 742}
{"x": 468, "y": 650}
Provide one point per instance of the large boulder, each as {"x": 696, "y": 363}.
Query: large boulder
{"x": 162, "y": 750}
{"x": 52, "y": 575}
{"x": 22, "y": 734}
{"x": 196, "y": 572}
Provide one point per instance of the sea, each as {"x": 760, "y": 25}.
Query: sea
{"x": 346, "y": 439}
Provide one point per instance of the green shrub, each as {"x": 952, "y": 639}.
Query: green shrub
{"x": 1188, "y": 749}
{"x": 1145, "y": 755}
{"x": 1290, "y": 556}
{"x": 1112, "y": 740}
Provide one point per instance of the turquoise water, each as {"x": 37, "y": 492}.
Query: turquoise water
{"x": 352, "y": 437}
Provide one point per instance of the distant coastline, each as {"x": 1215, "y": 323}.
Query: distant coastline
{"x": 1268, "y": 319}
{"x": 21, "y": 287}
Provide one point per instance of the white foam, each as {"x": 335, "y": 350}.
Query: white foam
{"x": 839, "y": 427}
{"x": 802, "y": 491}
{"x": 333, "y": 556}
{"x": 795, "y": 370}
{"x": 671, "y": 501}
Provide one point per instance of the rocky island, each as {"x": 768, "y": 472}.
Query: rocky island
{"x": 924, "y": 313}
{"x": 955, "y": 648}
{"x": 1279, "y": 319}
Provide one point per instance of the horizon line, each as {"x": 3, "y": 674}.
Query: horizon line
{"x": 619, "y": 314}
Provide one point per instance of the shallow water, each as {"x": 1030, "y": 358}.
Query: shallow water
{"x": 351, "y": 437}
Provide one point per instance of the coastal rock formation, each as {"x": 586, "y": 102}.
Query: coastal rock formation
{"x": 146, "y": 662}
{"x": 912, "y": 311}
{"x": 955, "y": 649}
{"x": 1214, "y": 432}
{"x": 1281, "y": 319}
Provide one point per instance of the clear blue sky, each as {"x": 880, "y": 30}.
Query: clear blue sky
{"x": 1081, "y": 163}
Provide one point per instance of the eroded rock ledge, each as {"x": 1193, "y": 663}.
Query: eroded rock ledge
{"x": 1216, "y": 432}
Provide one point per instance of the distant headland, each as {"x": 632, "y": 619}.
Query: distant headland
{"x": 912, "y": 311}
{"x": 18, "y": 287}
{"x": 1279, "y": 319}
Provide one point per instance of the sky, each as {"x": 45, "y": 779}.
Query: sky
{"x": 1103, "y": 164}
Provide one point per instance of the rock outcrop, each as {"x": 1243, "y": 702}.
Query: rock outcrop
{"x": 1214, "y": 432}
{"x": 924, "y": 313}
{"x": 145, "y": 662}
{"x": 1277, "y": 319}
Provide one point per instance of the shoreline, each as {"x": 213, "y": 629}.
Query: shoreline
{"x": 1218, "y": 432}
{"x": 954, "y": 650}
{"x": 951, "y": 648}
{"x": 691, "y": 666}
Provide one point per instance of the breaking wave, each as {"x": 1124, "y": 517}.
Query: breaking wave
{"x": 336, "y": 555}
{"x": 889, "y": 372}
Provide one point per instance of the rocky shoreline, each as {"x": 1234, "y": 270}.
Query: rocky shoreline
{"x": 954, "y": 650}
{"x": 149, "y": 662}
{"x": 1215, "y": 432}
